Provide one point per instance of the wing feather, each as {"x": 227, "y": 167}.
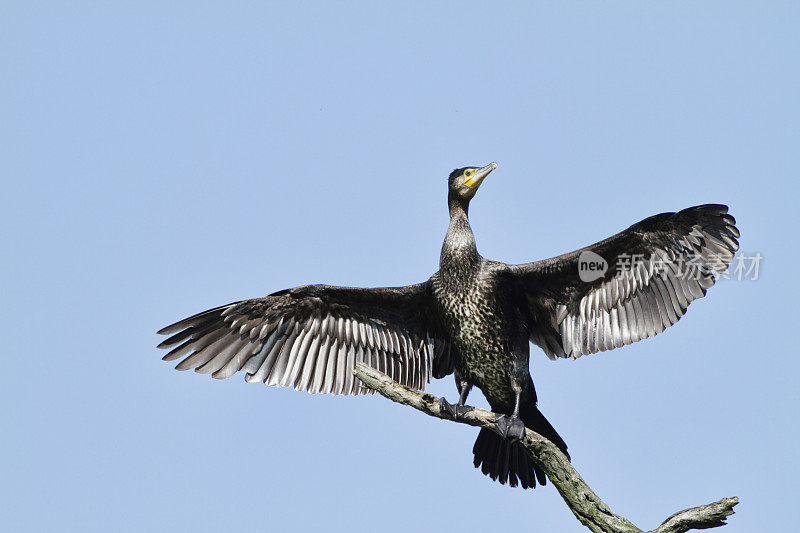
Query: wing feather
{"x": 680, "y": 256}
{"x": 311, "y": 337}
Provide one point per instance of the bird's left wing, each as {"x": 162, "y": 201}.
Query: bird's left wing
{"x": 626, "y": 288}
{"x": 310, "y": 338}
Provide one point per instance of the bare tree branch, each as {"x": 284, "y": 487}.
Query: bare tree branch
{"x": 587, "y": 507}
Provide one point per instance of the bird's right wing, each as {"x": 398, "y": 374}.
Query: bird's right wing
{"x": 310, "y": 338}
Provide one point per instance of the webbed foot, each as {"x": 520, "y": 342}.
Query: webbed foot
{"x": 511, "y": 427}
{"x": 456, "y": 411}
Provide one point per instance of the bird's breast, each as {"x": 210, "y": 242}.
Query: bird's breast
{"x": 477, "y": 326}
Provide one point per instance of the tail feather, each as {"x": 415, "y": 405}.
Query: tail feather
{"x": 505, "y": 461}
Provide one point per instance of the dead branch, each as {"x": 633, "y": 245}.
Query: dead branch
{"x": 582, "y": 501}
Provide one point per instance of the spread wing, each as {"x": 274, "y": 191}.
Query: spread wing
{"x": 310, "y": 338}
{"x": 655, "y": 269}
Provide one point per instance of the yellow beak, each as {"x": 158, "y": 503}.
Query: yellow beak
{"x": 475, "y": 179}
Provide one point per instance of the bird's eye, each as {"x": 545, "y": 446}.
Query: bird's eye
{"x": 468, "y": 173}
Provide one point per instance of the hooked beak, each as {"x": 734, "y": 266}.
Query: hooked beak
{"x": 475, "y": 179}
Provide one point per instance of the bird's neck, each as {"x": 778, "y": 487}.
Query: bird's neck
{"x": 459, "y": 248}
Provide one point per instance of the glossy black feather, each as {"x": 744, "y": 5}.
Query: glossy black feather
{"x": 474, "y": 317}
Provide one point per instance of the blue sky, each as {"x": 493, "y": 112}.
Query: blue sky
{"x": 161, "y": 160}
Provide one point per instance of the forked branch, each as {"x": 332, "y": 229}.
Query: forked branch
{"x": 582, "y": 501}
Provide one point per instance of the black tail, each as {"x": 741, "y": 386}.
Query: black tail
{"x": 506, "y": 461}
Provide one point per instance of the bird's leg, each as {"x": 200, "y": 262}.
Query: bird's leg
{"x": 512, "y": 427}
{"x": 463, "y": 392}
{"x": 458, "y": 409}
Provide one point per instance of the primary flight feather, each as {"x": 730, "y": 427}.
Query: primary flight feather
{"x": 473, "y": 318}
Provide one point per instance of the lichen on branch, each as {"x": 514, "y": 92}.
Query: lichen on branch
{"x": 587, "y": 507}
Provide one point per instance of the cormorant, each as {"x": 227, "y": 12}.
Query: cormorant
{"x": 473, "y": 318}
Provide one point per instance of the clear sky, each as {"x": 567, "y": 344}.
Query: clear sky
{"x": 160, "y": 160}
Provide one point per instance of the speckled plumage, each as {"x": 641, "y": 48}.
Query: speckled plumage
{"x": 474, "y": 317}
{"x": 487, "y": 347}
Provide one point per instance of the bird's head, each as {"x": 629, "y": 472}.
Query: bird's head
{"x": 464, "y": 182}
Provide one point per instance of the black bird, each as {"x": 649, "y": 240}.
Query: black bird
{"x": 474, "y": 318}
